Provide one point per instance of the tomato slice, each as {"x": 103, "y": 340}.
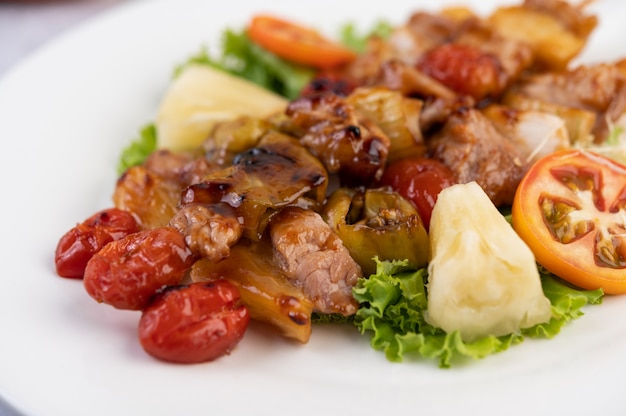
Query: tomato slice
{"x": 570, "y": 209}
{"x": 297, "y": 43}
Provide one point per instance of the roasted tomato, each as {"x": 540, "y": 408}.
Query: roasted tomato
{"x": 419, "y": 180}
{"x": 464, "y": 69}
{"x": 194, "y": 323}
{"x": 297, "y": 43}
{"x": 80, "y": 243}
{"x": 126, "y": 273}
{"x": 570, "y": 209}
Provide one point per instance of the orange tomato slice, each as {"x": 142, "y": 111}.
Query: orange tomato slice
{"x": 297, "y": 43}
{"x": 570, "y": 209}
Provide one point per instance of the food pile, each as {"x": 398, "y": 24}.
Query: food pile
{"x": 369, "y": 182}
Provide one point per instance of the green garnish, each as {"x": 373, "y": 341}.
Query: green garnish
{"x": 350, "y": 37}
{"x": 613, "y": 137}
{"x": 243, "y": 58}
{"x": 393, "y": 305}
{"x": 139, "y": 149}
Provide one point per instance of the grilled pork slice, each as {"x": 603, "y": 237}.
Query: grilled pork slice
{"x": 309, "y": 253}
{"x": 209, "y": 230}
{"x": 151, "y": 191}
{"x": 475, "y": 151}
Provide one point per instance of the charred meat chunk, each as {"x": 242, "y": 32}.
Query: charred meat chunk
{"x": 346, "y": 142}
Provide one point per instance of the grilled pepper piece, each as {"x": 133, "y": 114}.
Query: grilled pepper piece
{"x": 268, "y": 294}
{"x": 377, "y": 222}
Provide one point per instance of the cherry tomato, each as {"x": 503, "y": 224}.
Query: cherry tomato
{"x": 195, "y": 323}
{"x": 419, "y": 180}
{"x": 464, "y": 69}
{"x": 570, "y": 209}
{"x": 80, "y": 243}
{"x": 297, "y": 43}
{"x": 126, "y": 273}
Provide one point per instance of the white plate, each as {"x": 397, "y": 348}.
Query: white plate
{"x": 65, "y": 114}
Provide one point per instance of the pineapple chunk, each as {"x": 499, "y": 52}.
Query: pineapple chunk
{"x": 483, "y": 279}
{"x": 201, "y": 97}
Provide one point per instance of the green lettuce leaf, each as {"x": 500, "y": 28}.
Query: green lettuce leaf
{"x": 350, "y": 36}
{"x": 567, "y": 303}
{"x": 139, "y": 149}
{"x": 392, "y": 306}
{"x": 242, "y": 57}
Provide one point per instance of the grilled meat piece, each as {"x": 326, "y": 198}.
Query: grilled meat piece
{"x": 472, "y": 147}
{"x": 438, "y": 100}
{"x": 599, "y": 89}
{"x": 308, "y": 252}
{"x": 346, "y": 142}
{"x": 279, "y": 172}
{"x": 152, "y": 199}
{"x": 151, "y": 191}
{"x": 209, "y": 230}
{"x": 396, "y": 115}
{"x": 180, "y": 168}
{"x": 406, "y": 44}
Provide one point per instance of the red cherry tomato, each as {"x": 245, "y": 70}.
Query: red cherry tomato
{"x": 195, "y": 323}
{"x": 419, "y": 180}
{"x": 126, "y": 273}
{"x": 80, "y": 243}
{"x": 464, "y": 69}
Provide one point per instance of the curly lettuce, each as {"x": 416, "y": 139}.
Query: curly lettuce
{"x": 243, "y": 58}
{"x": 393, "y": 302}
{"x": 357, "y": 41}
{"x": 138, "y": 149}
